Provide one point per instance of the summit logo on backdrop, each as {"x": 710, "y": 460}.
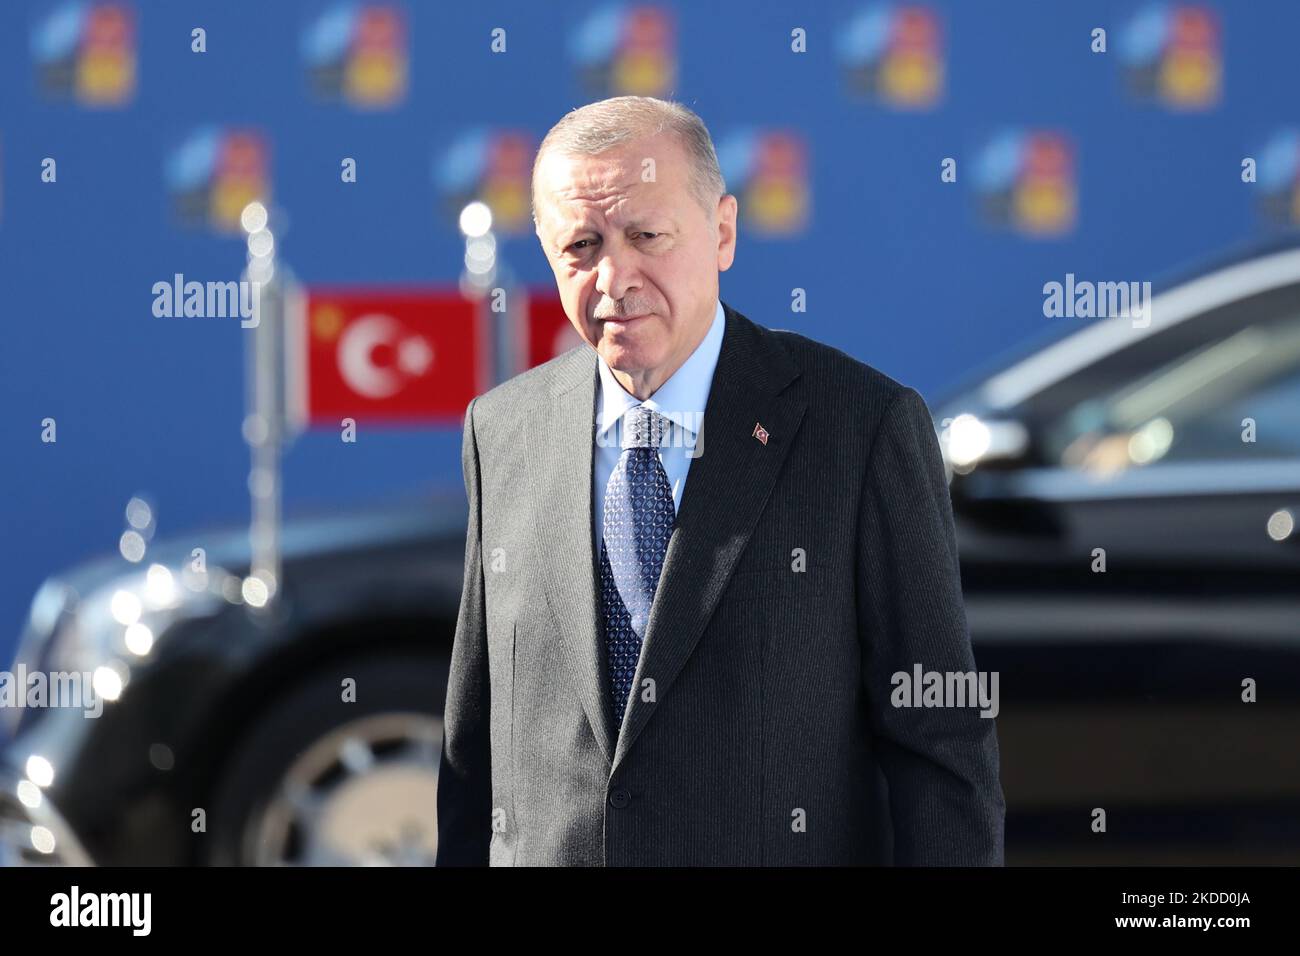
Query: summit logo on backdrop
{"x": 493, "y": 167}
{"x": 86, "y": 52}
{"x": 625, "y": 50}
{"x": 214, "y": 173}
{"x": 356, "y": 54}
{"x": 894, "y": 54}
{"x": 767, "y": 170}
{"x": 1171, "y": 55}
{"x": 1025, "y": 181}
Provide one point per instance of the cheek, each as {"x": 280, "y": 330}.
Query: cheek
{"x": 571, "y": 286}
{"x": 572, "y": 277}
{"x": 575, "y": 304}
{"x": 673, "y": 281}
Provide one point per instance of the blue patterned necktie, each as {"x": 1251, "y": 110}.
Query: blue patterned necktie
{"x": 639, "y": 518}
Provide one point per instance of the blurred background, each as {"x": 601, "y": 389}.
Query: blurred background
{"x": 1163, "y": 150}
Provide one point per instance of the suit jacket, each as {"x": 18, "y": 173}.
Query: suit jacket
{"x": 759, "y": 729}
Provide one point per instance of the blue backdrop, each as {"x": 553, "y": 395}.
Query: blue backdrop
{"x": 900, "y": 268}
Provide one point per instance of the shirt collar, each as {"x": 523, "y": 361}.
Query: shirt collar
{"x": 681, "y": 399}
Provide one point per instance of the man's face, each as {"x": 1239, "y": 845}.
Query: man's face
{"x": 636, "y": 262}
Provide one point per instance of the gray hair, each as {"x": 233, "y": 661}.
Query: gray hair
{"x": 600, "y": 126}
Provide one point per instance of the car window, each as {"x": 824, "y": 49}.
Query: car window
{"x": 1223, "y": 387}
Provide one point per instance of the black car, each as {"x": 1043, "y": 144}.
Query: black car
{"x": 1126, "y": 499}
{"x": 240, "y": 712}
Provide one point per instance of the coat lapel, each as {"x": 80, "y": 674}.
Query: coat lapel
{"x": 727, "y": 488}
{"x": 560, "y": 439}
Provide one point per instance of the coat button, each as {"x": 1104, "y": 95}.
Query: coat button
{"x": 619, "y": 798}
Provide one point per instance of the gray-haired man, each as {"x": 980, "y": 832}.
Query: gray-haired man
{"x": 654, "y": 671}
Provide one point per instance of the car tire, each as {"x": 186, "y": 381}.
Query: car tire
{"x": 268, "y": 785}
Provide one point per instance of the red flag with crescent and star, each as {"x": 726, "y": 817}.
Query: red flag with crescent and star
{"x": 386, "y": 356}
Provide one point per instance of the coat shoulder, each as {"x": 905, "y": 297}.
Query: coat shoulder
{"x": 508, "y": 401}
{"x": 833, "y": 380}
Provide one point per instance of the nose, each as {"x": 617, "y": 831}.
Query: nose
{"x": 616, "y": 273}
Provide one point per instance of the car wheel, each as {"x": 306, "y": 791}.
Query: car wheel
{"x": 322, "y": 782}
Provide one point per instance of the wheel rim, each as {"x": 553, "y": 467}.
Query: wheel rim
{"x": 365, "y": 794}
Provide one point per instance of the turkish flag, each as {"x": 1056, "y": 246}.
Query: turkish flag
{"x": 548, "y": 329}
{"x": 395, "y": 356}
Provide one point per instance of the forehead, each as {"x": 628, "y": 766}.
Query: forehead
{"x": 612, "y": 183}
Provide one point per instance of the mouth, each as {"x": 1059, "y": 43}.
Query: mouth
{"x": 626, "y": 319}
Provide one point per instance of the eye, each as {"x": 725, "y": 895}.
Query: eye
{"x": 578, "y": 246}
{"x": 649, "y": 235}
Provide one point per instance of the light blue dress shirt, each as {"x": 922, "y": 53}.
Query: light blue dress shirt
{"x": 681, "y": 399}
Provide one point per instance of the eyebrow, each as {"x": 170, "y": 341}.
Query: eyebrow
{"x": 570, "y": 236}
{"x": 644, "y": 220}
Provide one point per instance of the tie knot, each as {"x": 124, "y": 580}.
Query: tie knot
{"x": 644, "y": 428}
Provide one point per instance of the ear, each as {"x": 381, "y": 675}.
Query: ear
{"x": 728, "y": 209}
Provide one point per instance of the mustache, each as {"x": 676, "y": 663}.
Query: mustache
{"x": 609, "y": 309}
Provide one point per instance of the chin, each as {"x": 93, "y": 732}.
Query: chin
{"x": 626, "y": 356}
{"x": 627, "y": 350}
